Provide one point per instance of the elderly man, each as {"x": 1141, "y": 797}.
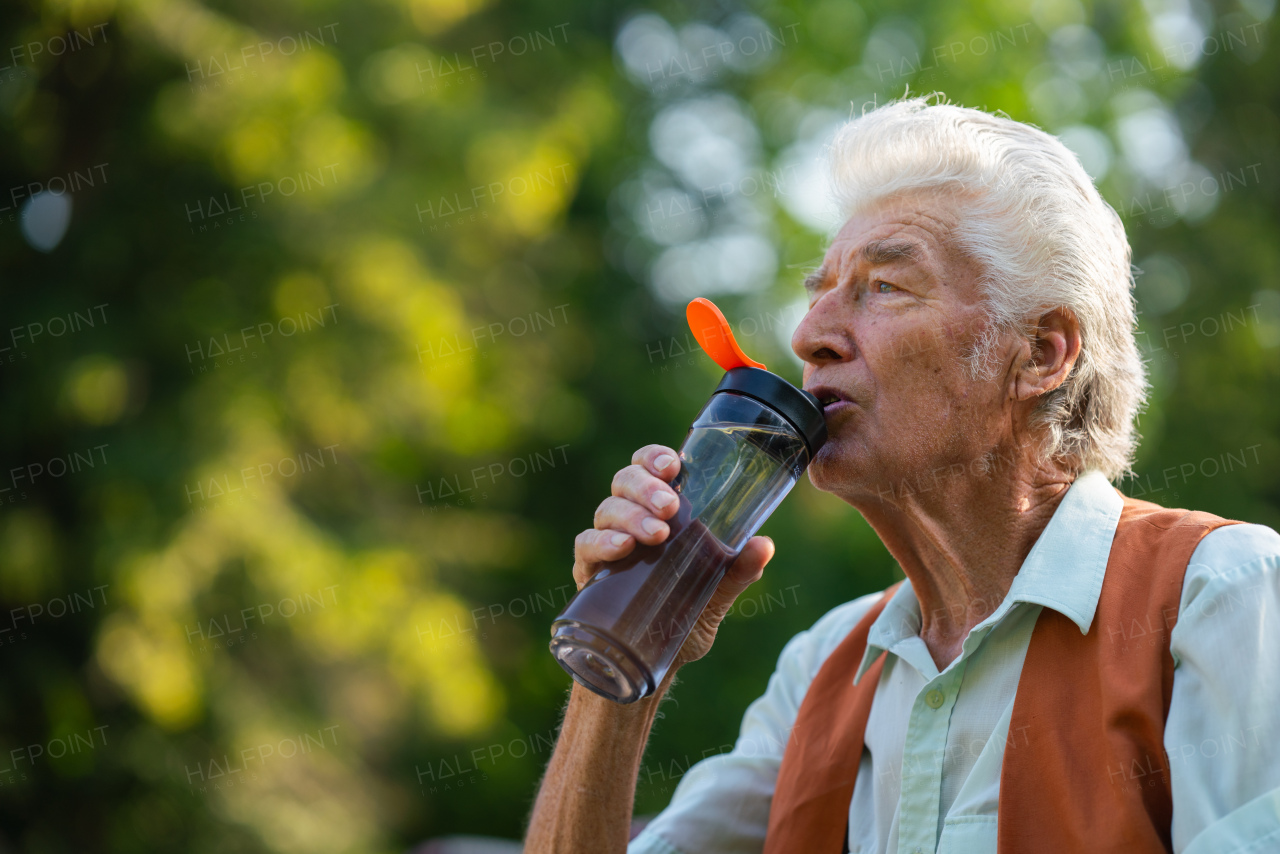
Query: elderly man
{"x": 1064, "y": 669}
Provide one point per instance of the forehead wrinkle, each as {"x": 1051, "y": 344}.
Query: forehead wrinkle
{"x": 896, "y": 246}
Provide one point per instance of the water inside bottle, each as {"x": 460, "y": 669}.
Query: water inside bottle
{"x": 730, "y": 468}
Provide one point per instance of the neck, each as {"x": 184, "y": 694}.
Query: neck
{"x": 962, "y": 542}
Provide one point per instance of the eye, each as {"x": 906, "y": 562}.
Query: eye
{"x": 885, "y": 287}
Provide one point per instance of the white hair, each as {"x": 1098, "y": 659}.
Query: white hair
{"x": 1044, "y": 238}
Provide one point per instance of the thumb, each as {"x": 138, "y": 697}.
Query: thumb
{"x": 742, "y": 573}
{"x": 749, "y": 566}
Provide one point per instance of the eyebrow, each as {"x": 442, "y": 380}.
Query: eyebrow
{"x": 813, "y": 281}
{"x": 874, "y": 253}
{"x": 885, "y": 251}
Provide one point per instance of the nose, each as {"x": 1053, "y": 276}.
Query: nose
{"x": 825, "y": 333}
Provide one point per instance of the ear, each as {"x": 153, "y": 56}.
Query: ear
{"x": 1048, "y": 356}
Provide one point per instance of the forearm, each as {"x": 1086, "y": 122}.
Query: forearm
{"x": 587, "y": 795}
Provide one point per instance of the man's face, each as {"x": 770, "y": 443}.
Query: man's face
{"x": 893, "y": 312}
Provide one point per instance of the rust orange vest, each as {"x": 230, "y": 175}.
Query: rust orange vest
{"x": 1089, "y": 772}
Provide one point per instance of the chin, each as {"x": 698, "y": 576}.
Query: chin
{"x": 827, "y": 467}
{"x": 844, "y": 468}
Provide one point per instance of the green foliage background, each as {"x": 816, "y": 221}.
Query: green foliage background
{"x": 417, "y": 656}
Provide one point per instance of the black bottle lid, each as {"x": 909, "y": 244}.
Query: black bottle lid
{"x": 799, "y": 407}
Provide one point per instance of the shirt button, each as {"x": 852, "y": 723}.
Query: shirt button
{"x": 934, "y": 698}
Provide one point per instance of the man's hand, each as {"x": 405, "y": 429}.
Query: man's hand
{"x": 636, "y": 512}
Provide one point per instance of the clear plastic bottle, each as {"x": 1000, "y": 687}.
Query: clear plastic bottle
{"x": 743, "y": 454}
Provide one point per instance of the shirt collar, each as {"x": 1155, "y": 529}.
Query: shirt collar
{"x": 1063, "y": 571}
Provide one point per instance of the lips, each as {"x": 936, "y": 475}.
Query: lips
{"x": 830, "y": 398}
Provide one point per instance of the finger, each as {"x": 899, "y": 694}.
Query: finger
{"x": 636, "y": 484}
{"x": 595, "y": 546}
{"x": 660, "y": 460}
{"x": 591, "y": 548}
{"x": 620, "y": 514}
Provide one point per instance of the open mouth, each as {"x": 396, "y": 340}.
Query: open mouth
{"x": 829, "y": 398}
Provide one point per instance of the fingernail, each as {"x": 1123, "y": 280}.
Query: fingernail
{"x": 663, "y": 461}
{"x": 619, "y": 539}
{"x": 651, "y": 525}
{"x": 661, "y": 498}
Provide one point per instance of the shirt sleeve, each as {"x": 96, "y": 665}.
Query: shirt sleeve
{"x": 1223, "y": 732}
{"x": 721, "y": 805}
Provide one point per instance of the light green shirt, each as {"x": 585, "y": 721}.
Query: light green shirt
{"x": 929, "y": 775}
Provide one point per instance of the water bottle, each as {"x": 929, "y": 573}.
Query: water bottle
{"x": 745, "y": 451}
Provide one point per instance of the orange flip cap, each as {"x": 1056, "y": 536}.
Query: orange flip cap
{"x": 715, "y": 337}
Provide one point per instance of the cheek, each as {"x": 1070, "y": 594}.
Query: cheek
{"x": 926, "y": 380}
{"x": 918, "y": 363}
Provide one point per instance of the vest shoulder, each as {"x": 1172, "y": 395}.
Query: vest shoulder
{"x": 1138, "y": 510}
